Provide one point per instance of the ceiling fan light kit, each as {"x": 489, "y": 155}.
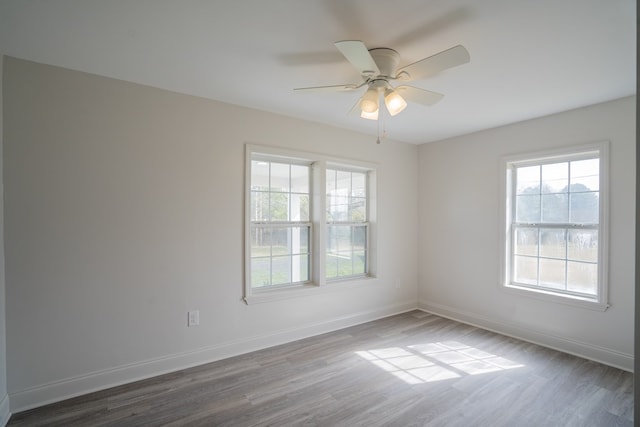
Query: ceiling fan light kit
{"x": 369, "y": 101}
{"x": 369, "y": 116}
{"x": 394, "y": 102}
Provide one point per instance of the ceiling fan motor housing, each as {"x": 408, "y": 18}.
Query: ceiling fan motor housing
{"x": 387, "y": 61}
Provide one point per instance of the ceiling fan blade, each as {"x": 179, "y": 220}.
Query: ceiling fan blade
{"x": 355, "y": 110}
{"x": 335, "y": 88}
{"x": 426, "y": 67}
{"x": 420, "y": 96}
{"x": 357, "y": 53}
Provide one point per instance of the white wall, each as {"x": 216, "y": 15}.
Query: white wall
{"x": 124, "y": 210}
{"x": 4, "y": 397}
{"x": 459, "y": 212}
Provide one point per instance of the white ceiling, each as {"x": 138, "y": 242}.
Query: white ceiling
{"x": 529, "y": 58}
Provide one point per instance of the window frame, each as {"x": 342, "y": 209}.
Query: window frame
{"x": 317, "y": 282}
{"x": 507, "y": 219}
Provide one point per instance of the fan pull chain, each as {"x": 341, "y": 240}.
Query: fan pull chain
{"x": 384, "y": 130}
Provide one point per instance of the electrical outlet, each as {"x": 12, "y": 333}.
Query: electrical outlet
{"x": 193, "y": 318}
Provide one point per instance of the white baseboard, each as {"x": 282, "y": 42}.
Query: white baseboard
{"x": 577, "y": 348}
{"x": 100, "y": 380}
{"x": 5, "y": 413}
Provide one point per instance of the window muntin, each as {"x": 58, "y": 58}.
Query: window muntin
{"x": 347, "y": 226}
{"x": 280, "y": 227}
{"x": 556, "y": 242}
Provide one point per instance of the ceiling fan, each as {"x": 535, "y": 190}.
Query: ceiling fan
{"x": 379, "y": 66}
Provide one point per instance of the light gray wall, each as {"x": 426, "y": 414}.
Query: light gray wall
{"x": 124, "y": 210}
{"x": 459, "y": 213}
{"x": 4, "y": 397}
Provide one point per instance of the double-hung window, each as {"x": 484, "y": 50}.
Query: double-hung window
{"x": 347, "y": 225}
{"x": 309, "y": 221}
{"x": 280, "y": 227}
{"x": 555, "y": 239}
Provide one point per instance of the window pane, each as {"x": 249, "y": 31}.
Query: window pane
{"x": 584, "y": 208}
{"x": 331, "y": 181}
{"x": 555, "y": 208}
{"x": 279, "y": 207}
{"x": 528, "y": 208}
{"x": 359, "y": 237}
{"x": 299, "y": 207}
{"x": 358, "y": 210}
{"x": 300, "y": 268}
{"x": 259, "y": 175}
{"x": 525, "y": 270}
{"x": 300, "y": 240}
{"x": 343, "y": 183}
{"x": 345, "y": 264}
{"x": 552, "y": 273}
{"x": 359, "y": 185}
{"x": 280, "y": 177}
{"x": 553, "y": 243}
{"x": 280, "y": 241}
{"x": 338, "y": 208}
{"x": 299, "y": 179}
{"x": 259, "y": 206}
{"x": 260, "y": 272}
{"x": 359, "y": 262}
{"x": 281, "y": 266}
{"x": 339, "y": 238}
{"x": 331, "y": 265}
{"x": 260, "y": 242}
{"x": 583, "y": 245}
{"x": 526, "y": 241}
{"x": 331, "y": 201}
{"x": 555, "y": 178}
{"x": 585, "y": 174}
{"x": 528, "y": 180}
{"x": 582, "y": 277}
{"x": 332, "y": 241}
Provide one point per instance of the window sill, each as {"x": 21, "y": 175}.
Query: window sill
{"x": 310, "y": 289}
{"x": 550, "y": 296}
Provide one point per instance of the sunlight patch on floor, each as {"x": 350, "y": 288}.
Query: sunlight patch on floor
{"x": 423, "y": 363}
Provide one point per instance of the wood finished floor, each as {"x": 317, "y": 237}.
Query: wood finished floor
{"x": 413, "y": 369}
